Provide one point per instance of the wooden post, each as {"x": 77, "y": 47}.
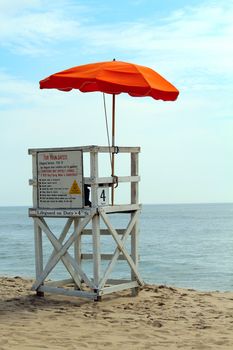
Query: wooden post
{"x": 77, "y": 243}
{"x": 95, "y": 220}
{"x": 77, "y": 247}
{"x": 37, "y": 229}
{"x": 134, "y": 233}
{"x": 38, "y": 253}
{"x": 34, "y": 180}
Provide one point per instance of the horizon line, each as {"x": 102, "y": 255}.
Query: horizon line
{"x": 172, "y": 203}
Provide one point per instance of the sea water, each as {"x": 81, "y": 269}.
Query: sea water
{"x": 183, "y": 245}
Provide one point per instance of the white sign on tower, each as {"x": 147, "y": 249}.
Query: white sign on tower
{"x": 60, "y": 179}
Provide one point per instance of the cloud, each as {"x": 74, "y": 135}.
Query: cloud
{"x": 31, "y": 28}
{"x": 13, "y": 6}
{"x": 16, "y": 92}
{"x": 197, "y": 38}
{"x": 192, "y": 45}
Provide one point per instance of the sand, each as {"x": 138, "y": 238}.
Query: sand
{"x": 159, "y": 318}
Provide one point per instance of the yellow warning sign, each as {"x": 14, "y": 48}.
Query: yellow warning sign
{"x": 75, "y": 188}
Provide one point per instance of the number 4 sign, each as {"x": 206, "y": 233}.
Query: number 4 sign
{"x": 103, "y": 196}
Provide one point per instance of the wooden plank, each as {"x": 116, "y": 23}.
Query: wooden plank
{"x": 77, "y": 244}
{"x": 34, "y": 178}
{"x": 77, "y": 247}
{"x": 103, "y": 232}
{"x": 59, "y": 283}
{"x": 61, "y": 149}
{"x": 38, "y": 253}
{"x": 104, "y": 256}
{"x": 96, "y": 248}
{"x": 114, "y": 281}
{"x": 38, "y": 249}
{"x": 106, "y": 149}
{"x": 68, "y": 292}
{"x": 87, "y": 256}
{"x": 111, "y": 180}
{"x": 134, "y": 173}
{"x": 119, "y": 287}
{"x": 120, "y": 208}
{"x": 91, "y": 148}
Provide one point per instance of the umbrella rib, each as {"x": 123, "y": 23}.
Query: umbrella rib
{"x": 151, "y": 89}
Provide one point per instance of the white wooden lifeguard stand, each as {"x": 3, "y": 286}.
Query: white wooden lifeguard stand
{"x": 59, "y": 191}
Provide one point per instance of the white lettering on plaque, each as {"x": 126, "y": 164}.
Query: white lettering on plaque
{"x": 60, "y": 179}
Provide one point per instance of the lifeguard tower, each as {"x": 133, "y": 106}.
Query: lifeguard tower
{"x": 60, "y": 190}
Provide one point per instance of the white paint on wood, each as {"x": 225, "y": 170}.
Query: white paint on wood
{"x": 60, "y": 283}
{"x": 34, "y": 174}
{"x": 103, "y": 232}
{"x": 68, "y": 292}
{"x": 119, "y": 287}
{"x": 95, "y": 220}
{"x": 77, "y": 243}
{"x": 92, "y": 148}
{"x": 89, "y": 256}
{"x": 110, "y": 180}
{"x": 38, "y": 249}
{"x": 134, "y": 234}
{"x": 124, "y": 208}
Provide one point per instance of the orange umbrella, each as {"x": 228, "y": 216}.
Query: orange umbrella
{"x": 113, "y": 77}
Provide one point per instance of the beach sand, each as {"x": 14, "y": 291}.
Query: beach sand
{"x": 159, "y": 318}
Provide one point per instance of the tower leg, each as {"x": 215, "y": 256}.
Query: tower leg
{"x": 38, "y": 254}
{"x": 134, "y": 233}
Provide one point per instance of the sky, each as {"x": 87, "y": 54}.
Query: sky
{"x": 186, "y": 145}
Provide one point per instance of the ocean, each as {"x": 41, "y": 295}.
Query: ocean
{"x": 182, "y": 245}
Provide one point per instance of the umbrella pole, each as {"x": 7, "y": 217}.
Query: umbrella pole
{"x": 113, "y": 143}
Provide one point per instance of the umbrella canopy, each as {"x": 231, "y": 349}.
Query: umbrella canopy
{"x": 113, "y": 77}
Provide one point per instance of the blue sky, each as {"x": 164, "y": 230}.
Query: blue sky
{"x": 187, "y": 146}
